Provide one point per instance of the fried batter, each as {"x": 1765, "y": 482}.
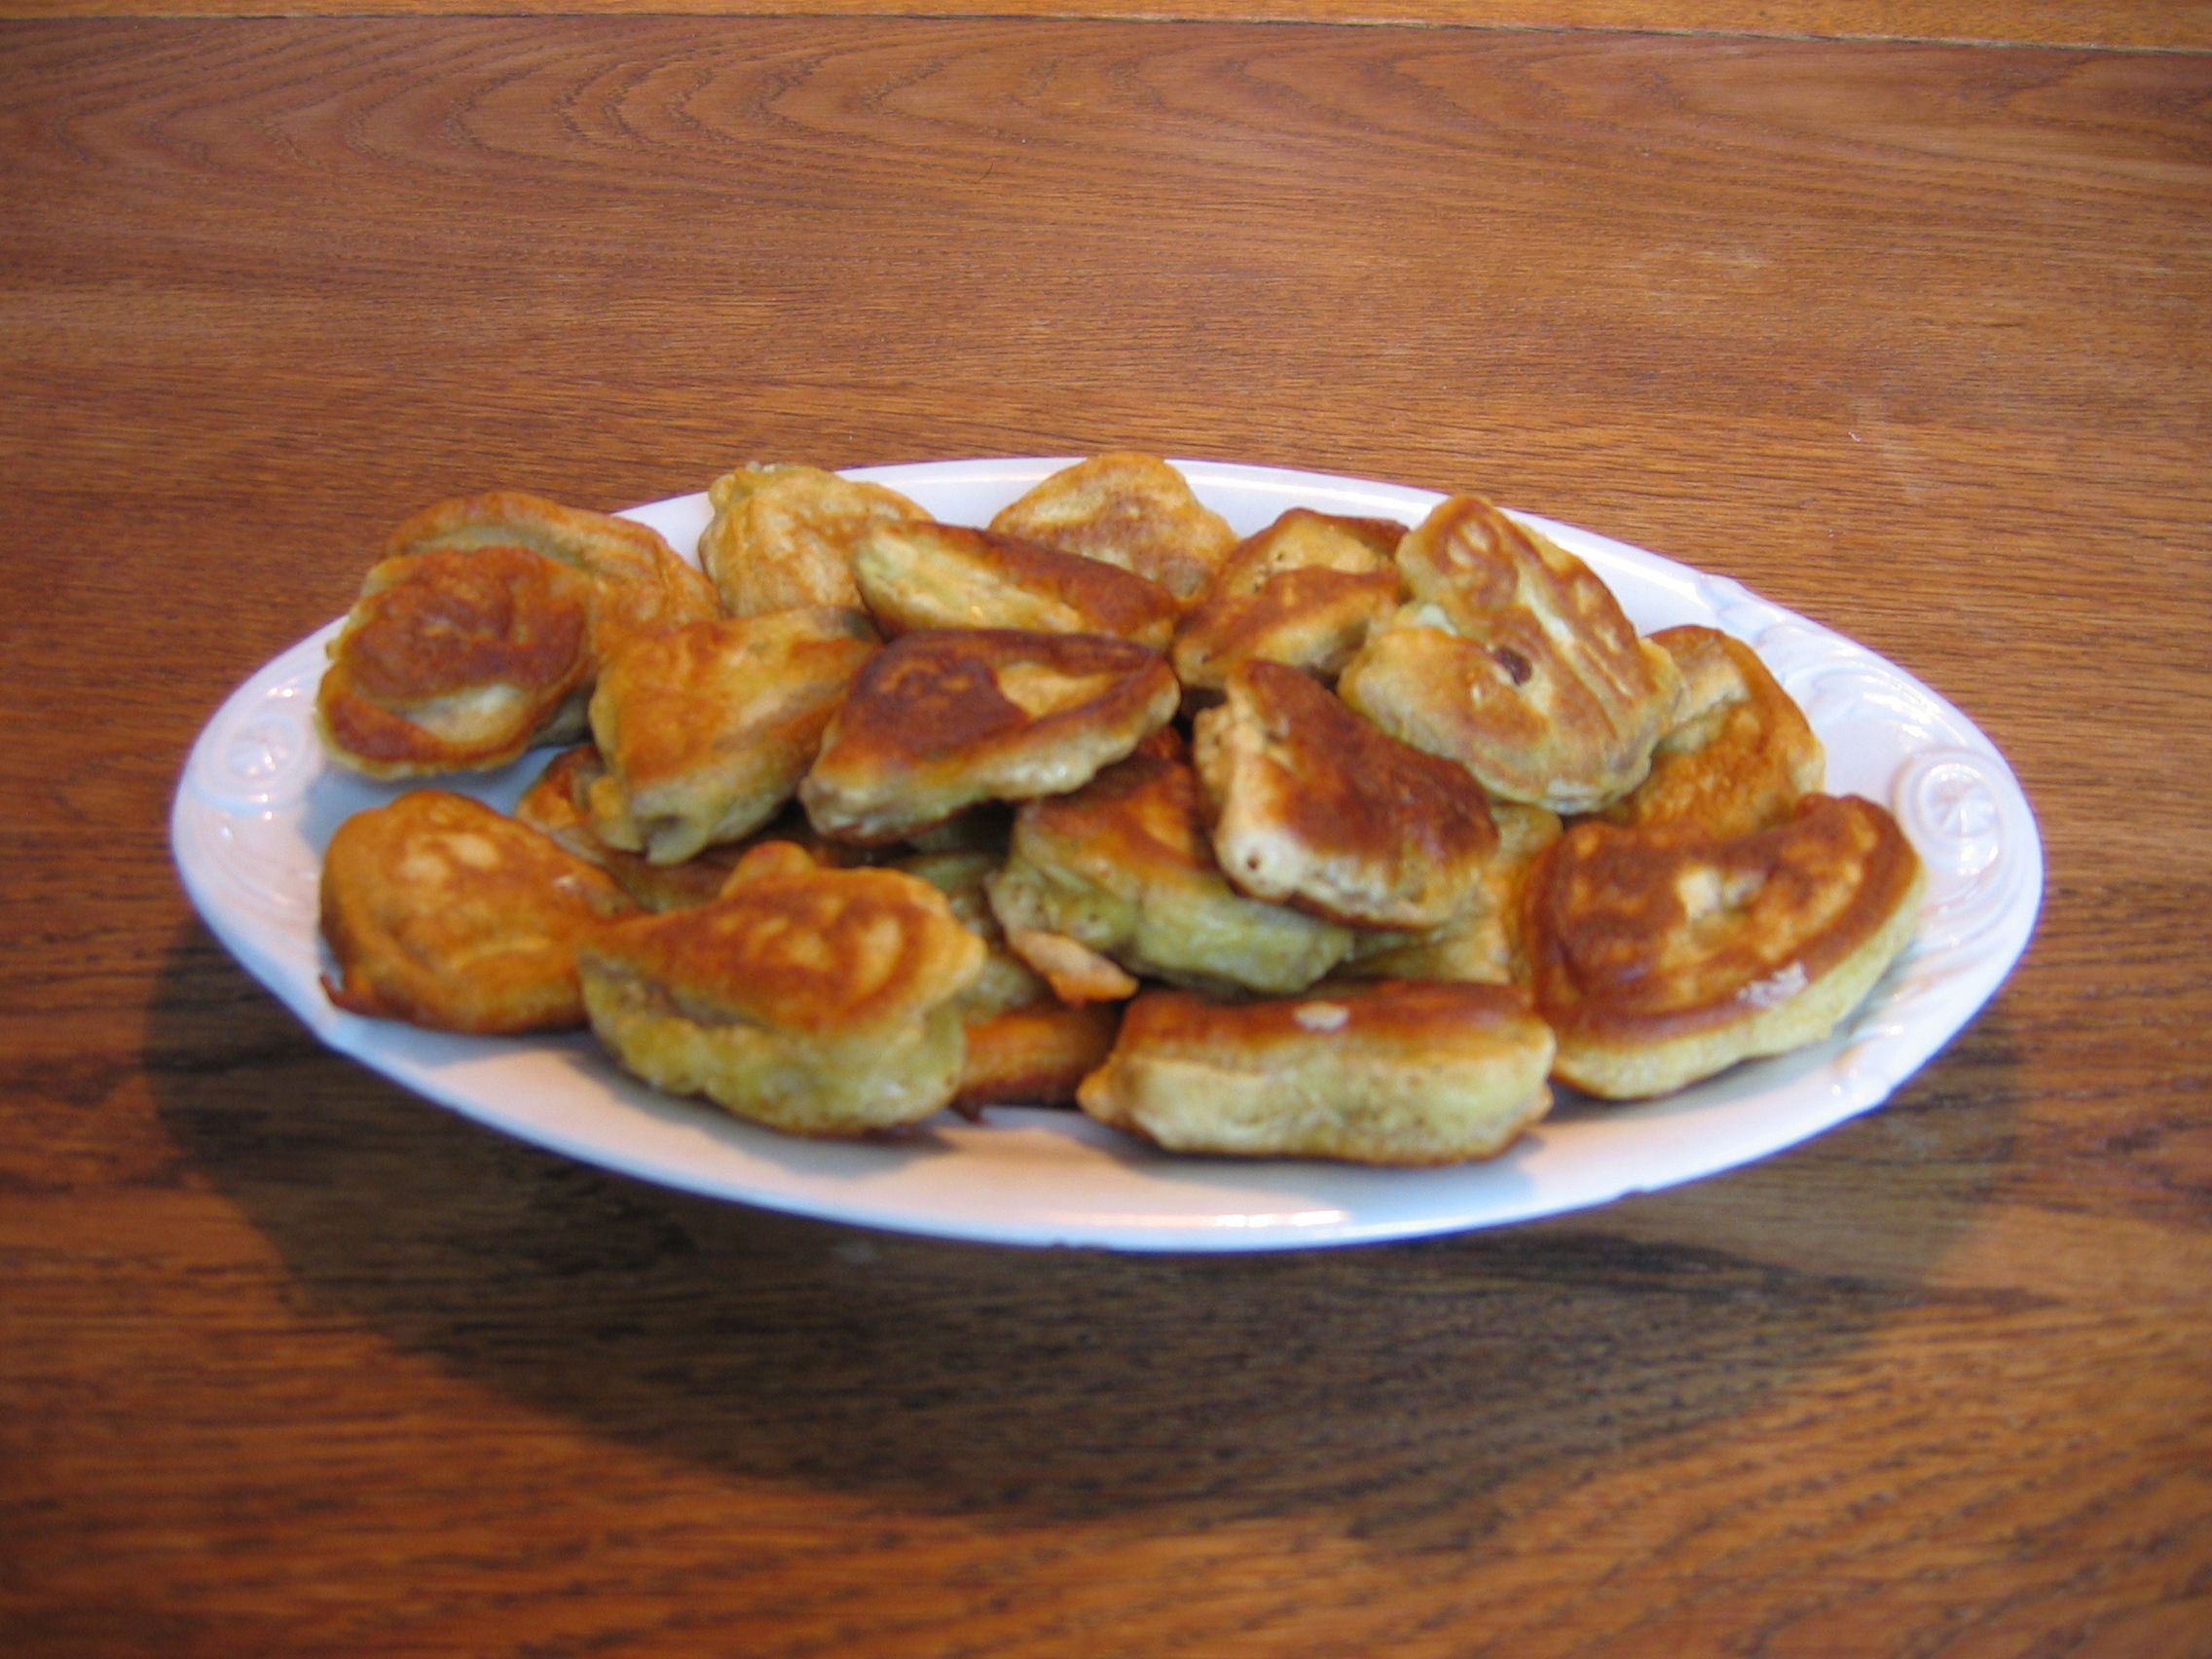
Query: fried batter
{"x": 1315, "y": 807}
{"x": 1515, "y": 659}
{"x": 458, "y": 660}
{"x": 1738, "y": 754}
{"x": 782, "y": 537}
{"x": 1482, "y": 941}
{"x": 442, "y": 912}
{"x": 1124, "y": 868}
{"x": 818, "y": 1002}
{"x": 1307, "y": 591}
{"x": 706, "y": 731}
{"x": 1395, "y": 1072}
{"x": 1663, "y": 955}
{"x": 1130, "y": 509}
{"x": 941, "y": 720}
{"x": 640, "y": 584}
{"x": 916, "y": 574}
{"x": 1035, "y": 1056}
{"x": 558, "y": 804}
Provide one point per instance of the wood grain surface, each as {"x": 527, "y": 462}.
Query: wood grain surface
{"x": 1909, "y": 338}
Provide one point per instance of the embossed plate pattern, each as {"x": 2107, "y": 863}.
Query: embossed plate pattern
{"x": 257, "y": 803}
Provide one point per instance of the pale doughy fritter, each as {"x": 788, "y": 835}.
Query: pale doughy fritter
{"x": 944, "y": 718}
{"x": 818, "y": 1002}
{"x": 1005, "y": 982}
{"x": 1130, "y": 509}
{"x": 640, "y": 584}
{"x": 1515, "y": 659}
{"x": 1394, "y": 1072}
{"x": 1738, "y": 753}
{"x": 1124, "y": 867}
{"x": 782, "y": 537}
{"x": 442, "y": 912}
{"x": 1663, "y": 955}
{"x": 706, "y": 731}
{"x": 918, "y": 574}
{"x": 1482, "y": 940}
{"x": 458, "y": 660}
{"x": 1306, "y": 590}
{"x": 1313, "y": 806}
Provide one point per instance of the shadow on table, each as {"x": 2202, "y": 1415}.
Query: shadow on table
{"x": 1406, "y": 1383}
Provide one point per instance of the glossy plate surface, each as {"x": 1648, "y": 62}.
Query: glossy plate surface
{"x": 257, "y": 803}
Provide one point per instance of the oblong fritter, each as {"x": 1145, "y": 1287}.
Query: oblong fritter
{"x": 782, "y": 537}
{"x": 1130, "y": 509}
{"x": 1482, "y": 940}
{"x": 818, "y": 1002}
{"x": 1307, "y": 591}
{"x": 1738, "y": 754}
{"x": 918, "y": 574}
{"x": 1663, "y": 955}
{"x": 1124, "y": 868}
{"x": 1313, "y": 806}
{"x": 1393, "y": 1072}
{"x": 707, "y": 730}
{"x": 458, "y": 660}
{"x": 640, "y": 583}
{"x": 1515, "y": 659}
{"x": 1035, "y": 1056}
{"x": 558, "y": 803}
{"x": 941, "y": 720}
{"x": 443, "y": 912}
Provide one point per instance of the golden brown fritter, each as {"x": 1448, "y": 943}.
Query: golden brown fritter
{"x": 1394, "y": 1072}
{"x": 707, "y": 730}
{"x": 1313, "y": 806}
{"x": 917, "y": 574}
{"x": 1482, "y": 940}
{"x": 1005, "y": 982}
{"x": 1035, "y": 1055}
{"x": 458, "y": 660}
{"x": 640, "y": 584}
{"x": 818, "y": 1002}
{"x": 1124, "y": 868}
{"x": 1663, "y": 955}
{"x": 782, "y": 537}
{"x": 558, "y": 804}
{"x": 442, "y": 912}
{"x": 1307, "y": 591}
{"x": 1130, "y": 509}
{"x": 944, "y": 718}
{"x": 1738, "y": 754}
{"x": 1515, "y": 659}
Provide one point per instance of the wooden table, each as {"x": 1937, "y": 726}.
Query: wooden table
{"x": 1908, "y": 335}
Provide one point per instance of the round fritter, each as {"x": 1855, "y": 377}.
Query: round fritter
{"x": 1663, "y": 955}
{"x": 1394, "y": 1072}
{"x": 640, "y": 584}
{"x": 1738, "y": 754}
{"x": 1306, "y": 590}
{"x": 818, "y": 1002}
{"x": 782, "y": 537}
{"x": 1482, "y": 940}
{"x": 1124, "y": 867}
{"x": 941, "y": 720}
{"x": 1315, "y": 807}
{"x": 442, "y": 912}
{"x": 707, "y": 730}
{"x": 458, "y": 660}
{"x": 1130, "y": 509}
{"x": 916, "y": 574}
{"x": 1515, "y": 659}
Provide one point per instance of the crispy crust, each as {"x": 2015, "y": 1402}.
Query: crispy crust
{"x": 1662, "y": 957}
{"x": 1515, "y": 659}
{"x": 1130, "y": 509}
{"x": 458, "y": 660}
{"x": 782, "y": 537}
{"x": 1393, "y": 1072}
{"x": 923, "y": 574}
{"x": 1312, "y": 805}
{"x": 1035, "y": 1056}
{"x": 1307, "y": 591}
{"x": 441, "y": 912}
{"x": 940, "y": 720}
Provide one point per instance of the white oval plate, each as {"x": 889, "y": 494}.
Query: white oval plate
{"x": 257, "y": 804}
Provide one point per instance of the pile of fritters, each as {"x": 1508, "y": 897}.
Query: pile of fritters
{"x": 1347, "y": 840}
